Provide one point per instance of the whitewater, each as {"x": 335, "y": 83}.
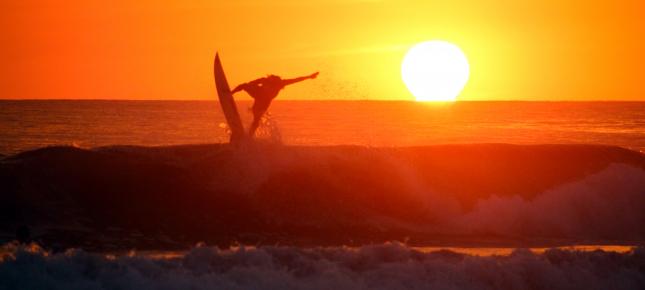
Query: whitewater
{"x": 387, "y": 266}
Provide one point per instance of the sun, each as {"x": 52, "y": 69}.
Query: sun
{"x": 435, "y": 71}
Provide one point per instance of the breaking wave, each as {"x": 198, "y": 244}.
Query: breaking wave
{"x": 604, "y": 205}
{"x": 387, "y": 266}
{"x": 124, "y": 197}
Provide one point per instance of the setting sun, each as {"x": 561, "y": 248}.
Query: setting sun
{"x": 435, "y": 71}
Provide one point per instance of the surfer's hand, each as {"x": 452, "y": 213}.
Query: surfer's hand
{"x": 313, "y": 75}
{"x": 237, "y": 89}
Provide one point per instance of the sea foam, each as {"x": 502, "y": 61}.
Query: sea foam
{"x": 386, "y": 266}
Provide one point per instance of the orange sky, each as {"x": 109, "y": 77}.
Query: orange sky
{"x": 521, "y": 50}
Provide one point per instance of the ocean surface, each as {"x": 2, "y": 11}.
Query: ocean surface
{"x": 381, "y": 215}
{"x": 32, "y": 124}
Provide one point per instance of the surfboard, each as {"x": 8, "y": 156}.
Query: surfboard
{"x": 228, "y": 103}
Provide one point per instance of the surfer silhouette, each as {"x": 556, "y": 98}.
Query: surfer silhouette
{"x": 263, "y": 91}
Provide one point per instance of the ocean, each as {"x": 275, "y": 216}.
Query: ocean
{"x": 32, "y": 124}
{"x": 339, "y": 195}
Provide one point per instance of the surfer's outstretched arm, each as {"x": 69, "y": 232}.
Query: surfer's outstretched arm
{"x": 295, "y": 80}
{"x": 238, "y": 88}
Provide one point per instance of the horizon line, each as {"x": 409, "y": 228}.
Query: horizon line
{"x": 327, "y": 100}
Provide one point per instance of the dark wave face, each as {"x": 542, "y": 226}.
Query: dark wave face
{"x": 388, "y": 266}
{"x": 171, "y": 197}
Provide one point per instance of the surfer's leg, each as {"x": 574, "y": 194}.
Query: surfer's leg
{"x": 254, "y": 126}
{"x": 259, "y": 108}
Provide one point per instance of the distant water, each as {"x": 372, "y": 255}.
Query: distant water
{"x": 32, "y": 124}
